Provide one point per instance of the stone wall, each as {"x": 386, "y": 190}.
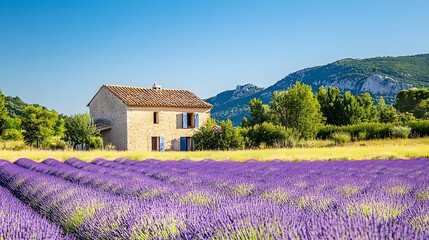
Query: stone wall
{"x": 141, "y": 127}
{"x": 108, "y": 106}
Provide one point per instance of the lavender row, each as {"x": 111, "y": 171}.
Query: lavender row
{"x": 119, "y": 183}
{"x": 381, "y": 192}
{"x": 18, "y": 221}
{"x": 92, "y": 214}
{"x": 132, "y": 178}
{"x": 371, "y": 200}
{"x": 365, "y": 177}
{"x": 83, "y": 211}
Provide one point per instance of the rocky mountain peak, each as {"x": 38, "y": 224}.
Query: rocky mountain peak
{"x": 245, "y": 90}
{"x": 382, "y": 85}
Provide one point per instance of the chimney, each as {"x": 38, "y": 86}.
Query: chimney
{"x": 156, "y": 86}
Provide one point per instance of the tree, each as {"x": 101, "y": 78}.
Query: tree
{"x": 422, "y": 109}
{"x": 244, "y": 122}
{"x": 38, "y": 125}
{"x": 259, "y": 112}
{"x": 386, "y": 112}
{"x": 346, "y": 109}
{"x": 330, "y": 101}
{"x": 351, "y": 110}
{"x": 60, "y": 128}
{"x": 79, "y": 129}
{"x": 281, "y": 114}
{"x": 368, "y": 110}
{"x": 11, "y": 129}
{"x": 3, "y": 110}
{"x": 408, "y": 100}
{"x": 298, "y": 108}
{"x": 230, "y": 137}
{"x": 205, "y": 137}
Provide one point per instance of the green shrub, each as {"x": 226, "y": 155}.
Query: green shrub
{"x": 362, "y": 135}
{"x": 419, "y": 128}
{"x": 19, "y": 146}
{"x": 406, "y": 117}
{"x": 292, "y": 138}
{"x": 400, "y": 131}
{"x": 366, "y": 131}
{"x": 11, "y": 123}
{"x": 14, "y": 145}
{"x": 227, "y": 138}
{"x": 95, "y": 143}
{"x": 372, "y": 130}
{"x": 341, "y": 137}
{"x": 12, "y": 134}
{"x": 55, "y": 143}
{"x": 268, "y": 135}
{"x": 60, "y": 145}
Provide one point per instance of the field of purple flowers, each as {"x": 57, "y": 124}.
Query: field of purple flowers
{"x": 126, "y": 199}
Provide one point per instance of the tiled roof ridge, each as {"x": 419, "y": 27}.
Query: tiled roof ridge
{"x": 149, "y": 88}
{"x": 148, "y": 97}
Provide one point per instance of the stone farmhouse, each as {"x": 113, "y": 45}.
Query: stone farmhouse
{"x": 157, "y": 119}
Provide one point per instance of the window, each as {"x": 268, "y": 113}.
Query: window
{"x": 186, "y": 144}
{"x": 155, "y": 143}
{"x": 190, "y": 120}
{"x": 155, "y": 117}
{"x": 158, "y": 144}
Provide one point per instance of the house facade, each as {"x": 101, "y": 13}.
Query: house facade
{"x": 157, "y": 119}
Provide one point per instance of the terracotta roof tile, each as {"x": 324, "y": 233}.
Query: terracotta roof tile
{"x": 148, "y": 97}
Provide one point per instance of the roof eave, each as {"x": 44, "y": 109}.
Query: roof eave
{"x": 92, "y": 99}
{"x": 208, "y": 105}
{"x": 114, "y": 94}
{"x": 148, "y": 106}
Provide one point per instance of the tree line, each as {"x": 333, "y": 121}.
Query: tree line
{"x": 42, "y": 128}
{"x": 299, "y": 114}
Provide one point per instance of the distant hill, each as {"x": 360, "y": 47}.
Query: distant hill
{"x": 381, "y": 76}
{"x": 225, "y": 103}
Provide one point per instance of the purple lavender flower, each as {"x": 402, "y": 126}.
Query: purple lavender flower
{"x": 151, "y": 199}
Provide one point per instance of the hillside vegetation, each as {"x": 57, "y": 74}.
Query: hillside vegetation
{"x": 392, "y": 74}
{"x": 412, "y": 70}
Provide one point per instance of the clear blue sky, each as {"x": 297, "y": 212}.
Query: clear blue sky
{"x": 58, "y": 53}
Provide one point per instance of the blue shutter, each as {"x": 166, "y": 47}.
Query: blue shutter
{"x": 161, "y": 144}
{"x": 197, "y": 120}
{"x": 184, "y": 120}
{"x": 182, "y": 143}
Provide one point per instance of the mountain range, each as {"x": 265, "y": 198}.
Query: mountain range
{"x": 380, "y": 76}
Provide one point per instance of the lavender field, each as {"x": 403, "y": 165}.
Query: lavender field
{"x": 151, "y": 199}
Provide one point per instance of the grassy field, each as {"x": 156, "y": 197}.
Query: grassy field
{"x": 316, "y": 150}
